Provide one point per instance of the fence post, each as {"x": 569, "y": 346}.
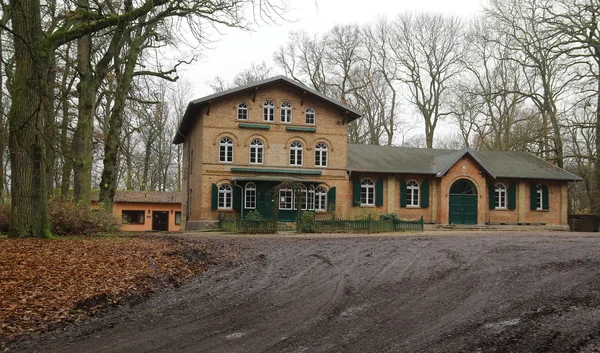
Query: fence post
{"x": 422, "y": 225}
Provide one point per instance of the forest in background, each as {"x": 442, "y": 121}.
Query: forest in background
{"x": 90, "y": 96}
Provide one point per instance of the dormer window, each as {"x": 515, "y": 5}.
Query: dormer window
{"x": 269, "y": 111}
{"x": 310, "y": 116}
{"x": 242, "y": 111}
{"x": 286, "y": 112}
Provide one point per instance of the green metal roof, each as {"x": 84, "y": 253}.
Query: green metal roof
{"x": 497, "y": 164}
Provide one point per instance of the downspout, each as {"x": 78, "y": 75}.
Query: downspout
{"x": 242, "y": 196}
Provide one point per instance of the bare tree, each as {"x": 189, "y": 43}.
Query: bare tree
{"x": 429, "y": 50}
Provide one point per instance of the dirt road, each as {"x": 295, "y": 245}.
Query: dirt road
{"x": 442, "y": 292}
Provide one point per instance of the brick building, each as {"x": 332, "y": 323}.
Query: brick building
{"x": 279, "y": 143}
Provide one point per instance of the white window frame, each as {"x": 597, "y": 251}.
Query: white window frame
{"x": 367, "y": 192}
{"x": 242, "y": 111}
{"x": 500, "y": 196}
{"x": 413, "y": 196}
{"x": 320, "y": 199}
{"x": 540, "y": 196}
{"x": 286, "y": 198}
{"x": 225, "y": 197}
{"x": 311, "y": 197}
{"x": 226, "y": 150}
{"x": 257, "y": 147}
{"x": 310, "y": 117}
{"x": 296, "y": 149}
{"x": 269, "y": 111}
{"x": 286, "y": 112}
{"x": 321, "y": 154}
{"x": 250, "y": 196}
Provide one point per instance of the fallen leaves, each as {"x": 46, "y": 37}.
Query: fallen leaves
{"x": 44, "y": 282}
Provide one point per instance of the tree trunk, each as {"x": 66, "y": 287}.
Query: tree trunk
{"x": 82, "y": 140}
{"x": 595, "y": 204}
{"x": 108, "y": 183}
{"x": 29, "y": 211}
{"x": 50, "y": 123}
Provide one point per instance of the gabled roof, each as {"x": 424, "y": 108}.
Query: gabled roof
{"x": 144, "y": 197}
{"x": 194, "y": 106}
{"x": 437, "y": 162}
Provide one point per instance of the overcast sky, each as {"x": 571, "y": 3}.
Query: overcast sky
{"x": 236, "y": 50}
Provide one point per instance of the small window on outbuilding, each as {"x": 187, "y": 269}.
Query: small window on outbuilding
{"x": 132, "y": 216}
{"x": 177, "y": 217}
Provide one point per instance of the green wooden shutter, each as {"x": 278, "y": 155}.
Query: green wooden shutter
{"x": 356, "y": 195}
{"x": 402, "y": 193}
{"x": 214, "y": 197}
{"x": 512, "y": 196}
{"x": 379, "y": 192}
{"x": 545, "y": 203}
{"x": 533, "y": 196}
{"x": 237, "y": 198}
{"x": 492, "y": 194}
{"x": 425, "y": 193}
{"x": 331, "y": 199}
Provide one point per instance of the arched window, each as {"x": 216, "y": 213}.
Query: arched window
{"x": 242, "y": 111}
{"x": 320, "y": 199}
{"x": 250, "y": 196}
{"x": 286, "y": 112}
{"x": 226, "y": 150}
{"x": 269, "y": 111}
{"x": 303, "y": 198}
{"x": 296, "y": 153}
{"x": 256, "y": 151}
{"x": 412, "y": 193}
{"x": 367, "y": 192}
{"x": 321, "y": 155}
{"x": 286, "y": 197}
{"x": 311, "y": 197}
{"x": 500, "y": 196}
{"x": 310, "y": 116}
{"x": 225, "y": 197}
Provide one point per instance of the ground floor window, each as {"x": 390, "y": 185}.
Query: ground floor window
{"x": 500, "y": 196}
{"x": 367, "y": 192}
{"x": 320, "y": 199}
{"x": 132, "y": 216}
{"x": 225, "y": 197}
{"x": 250, "y": 196}
{"x": 177, "y": 218}
{"x": 286, "y": 198}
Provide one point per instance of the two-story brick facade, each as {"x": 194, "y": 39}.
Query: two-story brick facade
{"x": 277, "y": 144}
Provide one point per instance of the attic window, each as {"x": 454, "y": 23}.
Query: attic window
{"x": 242, "y": 111}
{"x": 269, "y": 111}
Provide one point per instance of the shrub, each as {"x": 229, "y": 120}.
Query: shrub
{"x": 254, "y": 216}
{"x": 306, "y": 224}
{"x": 390, "y": 217}
{"x": 69, "y": 218}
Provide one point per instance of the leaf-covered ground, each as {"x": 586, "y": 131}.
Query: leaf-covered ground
{"x": 45, "y": 282}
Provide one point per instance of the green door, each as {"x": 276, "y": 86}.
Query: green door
{"x": 463, "y": 203}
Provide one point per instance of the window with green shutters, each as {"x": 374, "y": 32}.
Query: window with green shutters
{"x": 379, "y": 192}
{"x": 402, "y": 193}
{"x": 512, "y": 196}
{"x": 425, "y": 193}
{"x": 331, "y": 199}
{"x": 539, "y": 197}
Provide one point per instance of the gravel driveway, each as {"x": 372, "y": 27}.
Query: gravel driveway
{"x": 427, "y": 292}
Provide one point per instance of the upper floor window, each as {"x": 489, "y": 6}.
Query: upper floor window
{"x": 321, "y": 155}
{"x": 225, "y": 197}
{"x": 412, "y": 193}
{"x": 296, "y": 153}
{"x": 256, "y": 151}
{"x": 286, "y": 112}
{"x": 269, "y": 111}
{"x": 226, "y": 150}
{"x": 320, "y": 199}
{"x": 250, "y": 196}
{"x": 367, "y": 192}
{"x": 310, "y": 116}
{"x": 242, "y": 111}
{"x": 500, "y": 196}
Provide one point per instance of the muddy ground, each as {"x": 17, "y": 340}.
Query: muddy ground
{"x": 434, "y": 292}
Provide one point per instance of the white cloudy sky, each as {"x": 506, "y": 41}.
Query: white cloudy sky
{"x": 236, "y": 50}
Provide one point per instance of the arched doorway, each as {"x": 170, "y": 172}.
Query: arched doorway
{"x": 463, "y": 202}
